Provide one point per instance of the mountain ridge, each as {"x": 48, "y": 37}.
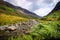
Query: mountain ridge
{"x": 21, "y": 9}
{"x": 10, "y": 14}
{"x": 56, "y": 8}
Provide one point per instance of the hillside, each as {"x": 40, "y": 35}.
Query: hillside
{"x": 10, "y": 14}
{"x": 49, "y": 27}
{"x": 15, "y": 21}
{"x": 57, "y": 7}
{"x": 20, "y": 24}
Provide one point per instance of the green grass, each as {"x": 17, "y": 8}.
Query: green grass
{"x": 10, "y": 16}
{"x": 8, "y": 19}
{"x": 25, "y": 37}
{"x": 12, "y": 11}
{"x": 7, "y": 8}
{"x": 49, "y": 27}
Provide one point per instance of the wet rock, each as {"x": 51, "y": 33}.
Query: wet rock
{"x": 12, "y": 28}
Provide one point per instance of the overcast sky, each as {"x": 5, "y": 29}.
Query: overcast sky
{"x": 39, "y": 7}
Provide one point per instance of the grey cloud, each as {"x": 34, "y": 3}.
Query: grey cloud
{"x": 31, "y": 0}
{"x": 48, "y": 1}
{"x": 37, "y": 5}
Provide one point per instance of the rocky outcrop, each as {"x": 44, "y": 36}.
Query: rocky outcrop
{"x": 20, "y": 28}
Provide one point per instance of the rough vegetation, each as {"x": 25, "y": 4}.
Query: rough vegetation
{"x": 10, "y": 16}
{"x": 18, "y": 29}
{"x": 15, "y": 25}
{"x": 48, "y": 29}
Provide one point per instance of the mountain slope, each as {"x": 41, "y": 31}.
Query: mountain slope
{"x": 49, "y": 27}
{"x": 10, "y": 14}
{"x": 20, "y": 9}
{"x": 57, "y": 7}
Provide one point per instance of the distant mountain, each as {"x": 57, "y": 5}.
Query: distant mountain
{"x": 10, "y": 14}
{"x": 55, "y": 14}
{"x": 57, "y": 7}
{"x": 21, "y": 9}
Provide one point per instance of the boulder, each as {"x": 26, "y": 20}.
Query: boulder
{"x": 2, "y": 28}
{"x": 12, "y": 28}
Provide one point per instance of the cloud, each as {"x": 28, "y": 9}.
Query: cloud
{"x": 43, "y": 11}
{"x": 39, "y": 7}
{"x": 22, "y": 3}
{"x": 46, "y": 7}
{"x": 48, "y": 1}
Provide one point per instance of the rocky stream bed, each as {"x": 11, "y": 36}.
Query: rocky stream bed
{"x": 18, "y": 29}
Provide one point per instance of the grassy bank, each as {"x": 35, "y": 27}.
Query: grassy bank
{"x": 9, "y": 19}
